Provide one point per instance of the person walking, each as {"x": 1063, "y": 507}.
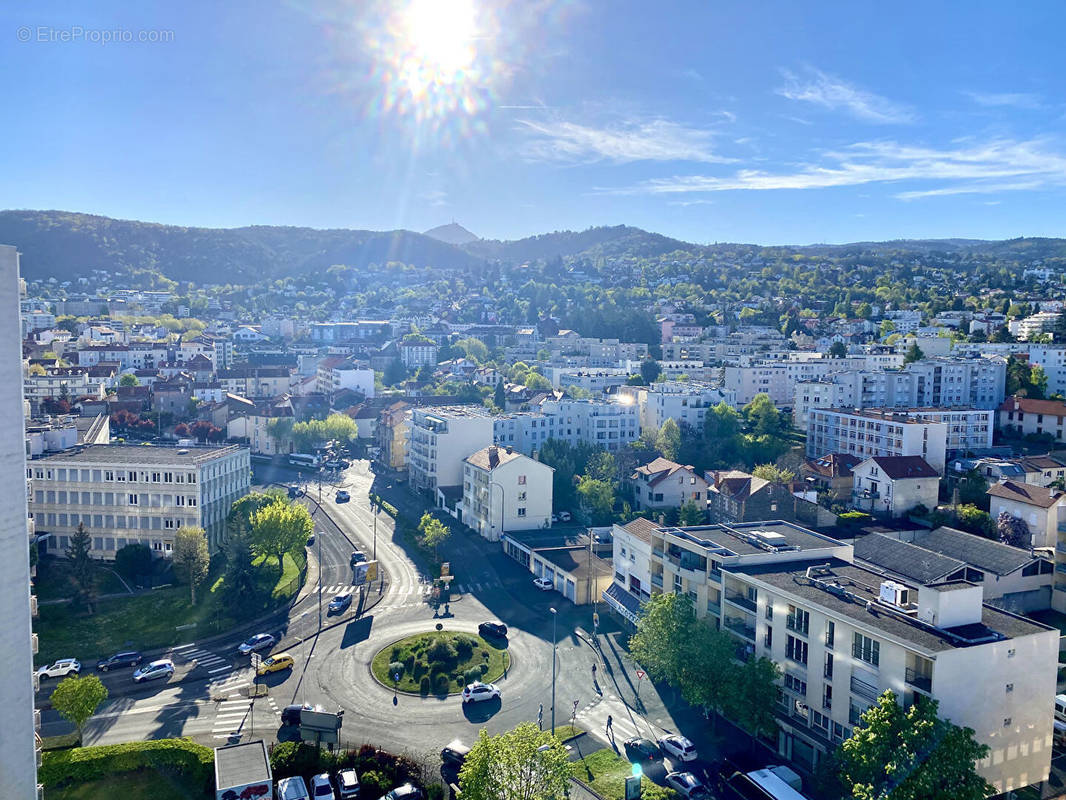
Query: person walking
{"x": 610, "y": 725}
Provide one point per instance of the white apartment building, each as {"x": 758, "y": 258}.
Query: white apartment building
{"x": 18, "y": 767}
{"x": 1030, "y": 327}
{"x": 37, "y": 320}
{"x": 336, "y": 374}
{"x": 438, "y": 439}
{"x": 418, "y": 354}
{"x": 69, "y": 382}
{"x": 905, "y": 321}
{"x": 877, "y": 432}
{"x": 842, "y": 634}
{"x": 504, "y": 490}
{"x": 124, "y": 494}
{"x": 1052, "y": 359}
{"x": 593, "y": 381}
{"x": 683, "y": 402}
{"x": 611, "y": 425}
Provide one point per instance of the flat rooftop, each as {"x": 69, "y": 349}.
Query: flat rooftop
{"x": 118, "y": 454}
{"x": 749, "y": 538}
{"x": 906, "y": 415}
{"x": 239, "y": 764}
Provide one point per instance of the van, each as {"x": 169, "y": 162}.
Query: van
{"x": 455, "y": 752}
{"x": 293, "y": 789}
{"x": 1060, "y": 707}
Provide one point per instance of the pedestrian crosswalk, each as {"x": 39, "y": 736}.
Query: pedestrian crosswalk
{"x": 233, "y": 684}
{"x": 224, "y": 678}
{"x": 625, "y": 723}
{"x": 232, "y": 717}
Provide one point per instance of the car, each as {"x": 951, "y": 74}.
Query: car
{"x": 455, "y": 753}
{"x": 275, "y": 663}
{"x": 358, "y": 557}
{"x": 405, "y": 792}
{"x": 163, "y": 668}
{"x": 129, "y": 658}
{"x": 555, "y": 518}
{"x": 290, "y": 715}
{"x": 677, "y": 747}
{"x": 343, "y": 496}
{"x": 60, "y": 669}
{"x": 293, "y": 788}
{"x": 642, "y": 749}
{"x": 261, "y": 641}
{"x": 493, "y": 628}
{"x": 478, "y": 691}
{"x": 564, "y": 516}
{"x": 321, "y": 788}
{"x": 348, "y": 784}
{"x": 340, "y": 602}
{"x": 544, "y": 584}
{"x": 687, "y": 785}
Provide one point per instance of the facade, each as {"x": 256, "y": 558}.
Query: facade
{"x": 682, "y": 402}
{"x": 735, "y": 496}
{"x": 577, "y": 564}
{"x": 391, "y": 436}
{"x": 336, "y": 374}
{"x": 842, "y": 634}
{"x": 124, "y": 494}
{"x": 1039, "y": 508}
{"x": 1052, "y": 359}
{"x": 418, "y": 354}
{"x": 894, "y": 485}
{"x": 830, "y": 473}
{"x": 504, "y": 490}
{"x": 662, "y": 484}
{"x": 604, "y": 424}
{"x": 259, "y": 382}
{"x": 438, "y": 439}
{"x": 1022, "y": 416}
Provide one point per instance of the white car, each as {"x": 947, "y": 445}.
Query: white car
{"x": 544, "y": 584}
{"x": 261, "y": 641}
{"x": 163, "y": 668}
{"x": 687, "y": 785}
{"x": 564, "y": 516}
{"x": 292, "y": 789}
{"x": 321, "y": 788}
{"x": 478, "y": 691}
{"x": 678, "y": 747}
{"x": 61, "y": 669}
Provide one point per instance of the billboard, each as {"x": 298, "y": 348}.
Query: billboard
{"x": 364, "y": 572}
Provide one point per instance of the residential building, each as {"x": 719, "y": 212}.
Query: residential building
{"x": 605, "y": 424}
{"x": 255, "y": 382}
{"x": 415, "y": 354}
{"x": 126, "y": 493}
{"x": 504, "y": 490}
{"x": 335, "y": 374}
{"x": 685, "y": 403}
{"x": 438, "y": 440}
{"x": 736, "y": 496}
{"x": 662, "y": 484}
{"x": 36, "y": 320}
{"x": 1049, "y": 357}
{"x": 1030, "y": 327}
{"x": 254, "y": 425}
{"x": 1023, "y": 416}
{"x": 1040, "y": 508}
{"x": 830, "y": 473}
{"x": 894, "y": 485}
{"x": 842, "y": 634}
{"x": 68, "y": 382}
{"x": 391, "y": 435}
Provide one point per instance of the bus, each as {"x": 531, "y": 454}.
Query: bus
{"x": 304, "y": 461}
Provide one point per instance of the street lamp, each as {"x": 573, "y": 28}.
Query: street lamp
{"x": 555, "y": 618}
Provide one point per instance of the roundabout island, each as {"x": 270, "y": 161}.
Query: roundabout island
{"x": 439, "y": 662}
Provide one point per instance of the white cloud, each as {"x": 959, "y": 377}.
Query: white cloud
{"x": 636, "y": 140}
{"x": 1000, "y": 99}
{"x": 828, "y": 91}
{"x": 1000, "y": 165}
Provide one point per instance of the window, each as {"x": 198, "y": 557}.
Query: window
{"x": 521, "y": 480}
{"x": 827, "y": 696}
{"x": 830, "y": 633}
{"x": 796, "y": 650}
{"x": 521, "y": 497}
{"x": 795, "y": 684}
{"x": 768, "y": 639}
{"x": 1006, "y": 722}
{"x": 798, "y": 620}
{"x": 769, "y": 609}
{"x": 521, "y": 512}
{"x": 133, "y": 500}
{"x": 1010, "y": 688}
{"x": 828, "y": 666}
{"x": 866, "y": 649}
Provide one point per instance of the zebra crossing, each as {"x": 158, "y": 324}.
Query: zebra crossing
{"x": 231, "y": 718}
{"x": 223, "y": 677}
{"x": 625, "y": 724}
{"x": 212, "y": 662}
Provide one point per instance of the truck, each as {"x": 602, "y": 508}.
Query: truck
{"x": 242, "y": 772}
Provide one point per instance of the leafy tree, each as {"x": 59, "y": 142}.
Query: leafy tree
{"x": 81, "y": 565}
{"x": 280, "y": 528}
{"x": 191, "y": 557}
{"x": 129, "y": 379}
{"x": 864, "y": 311}
{"x": 239, "y": 519}
{"x": 433, "y": 532}
{"x": 650, "y": 370}
{"x": 721, "y": 432}
{"x": 133, "y": 560}
{"x": 602, "y": 466}
{"x": 774, "y": 473}
{"x": 753, "y": 697}
{"x": 972, "y": 519}
{"x": 636, "y": 380}
{"x": 664, "y": 628}
{"x": 597, "y": 499}
{"x": 973, "y": 489}
{"x": 239, "y": 581}
{"x": 76, "y": 699}
{"x": 707, "y": 674}
{"x": 536, "y": 382}
{"x": 763, "y": 417}
{"x": 911, "y": 754}
{"x": 499, "y": 396}
{"x": 1013, "y": 530}
{"x": 395, "y": 372}
{"x": 914, "y": 353}
{"x": 523, "y": 764}
{"x": 838, "y": 350}
{"x": 692, "y": 513}
{"x": 668, "y": 441}
{"x": 475, "y": 349}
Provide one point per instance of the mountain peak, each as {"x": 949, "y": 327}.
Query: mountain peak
{"x": 453, "y": 233}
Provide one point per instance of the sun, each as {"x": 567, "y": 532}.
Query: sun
{"x": 440, "y": 36}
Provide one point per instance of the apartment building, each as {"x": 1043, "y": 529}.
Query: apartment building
{"x": 1030, "y": 327}
{"x": 662, "y": 484}
{"x": 1049, "y": 357}
{"x": 504, "y": 490}
{"x": 124, "y": 494}
{"x": 683, "y": 402}
{"x": 391, "y": 435}
{"x": 611, "y": 425}
{"x": 894, "y": 485}
{"x": 594, "y": 381}
{"x": 438, "y": 439}
{"x": 69, "y": 382}
{"x": 842, "y": 634}
{"x": 255, "y": 382}
{"x": 335, "y": 374}
{"x": 418, "y": 354}
{"x": 1022, "y": 416}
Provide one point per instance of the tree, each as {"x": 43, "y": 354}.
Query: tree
{"x": 650, "y": 370}
{"x": 536, "y": 382}
{"x": 1013, "y": 530}
{"x": 691, "y": 513}
{"x": 181, "y": 430}
{"x": 475, "y": 349}
{"x": 499, "y": 397}
{"x": 721, "y": 433}
{"x": 838, "y": 350}
{"x": 597, "y": 499}
{"x": 433, "y": 532}
{"x": 972, "y": 519}
{"x": 774, "y": 473}
{"x": 602, "y": 466}
{"x": 395, "y": 372}
{"x": 762, "y": 416}
{"x": 280, "y": 528}
{"x": 239, "y": 581}
{"x": 973, "y": 488}
{"x": 81, "y": 565}
{"x": 911, "y": 754}
{"x": 668, "y": 442}
{"x": 191, "y": 557}
{"x": 129, "y": 379}
{"x": 914, "y": 353}
{"x": 77, "y": 698}
{"x": 664, "y": 628}
{"x": 523, "y": 764}
{"x": 753, "y": 697}
{"x": 708, "y": 670}
{"x": 133, "y": 561}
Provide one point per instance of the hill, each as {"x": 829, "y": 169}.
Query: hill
{"x": 453, "y": 233}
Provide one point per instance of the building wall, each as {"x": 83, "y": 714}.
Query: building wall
{"x": 439, "y": 440}
{"x": 1043, "y": 522}
{"x": 895, "y": 497}
{"x": 517, "y": 494}
{"x": 831, "y": 431}
{"x": 682, "y": 486}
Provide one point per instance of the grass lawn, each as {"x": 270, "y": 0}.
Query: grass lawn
{"x": 456, "y": 653}
{"x": 54, "y": 581}
{"x": 132, "y": 785}
{"x": 605, "y": 771}
{"x": 152, "y": 619}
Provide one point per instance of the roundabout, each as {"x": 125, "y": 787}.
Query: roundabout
{"x": 439, "y": 662}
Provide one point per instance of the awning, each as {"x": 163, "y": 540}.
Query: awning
{"x": 626, "y": 604}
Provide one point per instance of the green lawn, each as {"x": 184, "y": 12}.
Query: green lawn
{"x": 54, "y": 582}
{"x": 152, "y": 620}
{"x": 605, "y": 771}
{"x": 418, "y": 656}
{"x": 132, "y": 785}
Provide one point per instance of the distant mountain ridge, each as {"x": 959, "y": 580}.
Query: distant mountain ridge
{"x": 453, "y": 233}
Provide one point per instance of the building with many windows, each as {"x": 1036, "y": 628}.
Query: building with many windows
{"x": 438, "y": 439}
{"x": 124, "y": 494}
{"x": 504, "y": 490}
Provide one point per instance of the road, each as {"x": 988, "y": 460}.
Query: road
{"x": 208, "y": 697}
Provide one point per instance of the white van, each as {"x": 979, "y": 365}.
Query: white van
{"x": 1060, "y": 707}
{"x": 293, "y": 789}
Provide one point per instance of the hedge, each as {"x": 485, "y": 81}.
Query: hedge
{"x": 84, "y": 764}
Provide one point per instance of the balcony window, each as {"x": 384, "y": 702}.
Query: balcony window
{"x": 798, "y": 620}
{"x": 866, "y": 649}
{"x": 796, "y": 650}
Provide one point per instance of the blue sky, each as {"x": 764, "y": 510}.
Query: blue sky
{"x": 769, "y": 122}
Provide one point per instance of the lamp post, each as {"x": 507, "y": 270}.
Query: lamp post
{"x": 318, "y": 543}
{"x": 555, "y": 618}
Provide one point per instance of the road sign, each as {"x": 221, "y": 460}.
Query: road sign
{"x": 595, "y": 618}
{"x": 640, "y": 674}
{"x": 365, "y": 572}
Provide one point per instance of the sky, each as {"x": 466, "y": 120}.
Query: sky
{"x": 767, "y": 122}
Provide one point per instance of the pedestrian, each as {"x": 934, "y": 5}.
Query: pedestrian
{"x": 594, "y": 669}
{"x": 610, "y": 724}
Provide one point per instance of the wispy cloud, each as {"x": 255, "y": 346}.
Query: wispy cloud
{"x": 828, "y": 91}
{"x": 1000, "y": 99}
{"x": 435, "y": 197}
{"x": 635, "y": 140}
{"x": 1001, "y": 165}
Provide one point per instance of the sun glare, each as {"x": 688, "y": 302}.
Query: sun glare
{"x": 440, "y": 36}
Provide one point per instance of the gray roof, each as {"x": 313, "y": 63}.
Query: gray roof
{"x": 240, "y": 764}
{"x": 119, "y": 455}
{"x": 905, "y": 559}
{"x": 985, "y": 554}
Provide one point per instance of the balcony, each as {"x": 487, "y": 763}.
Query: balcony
{"x": 714, "y": 608}
{"x": 861, "y": 688}
{"x": 919, "y": 680}
{"x": 657, "y": 580}
{"x": 741, "y": 600}
{"x": 657, "y": 552}
{"x": 739, "y": 626}
{"x": 800, "y": 625}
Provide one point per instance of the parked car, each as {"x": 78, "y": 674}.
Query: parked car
{"x": 478, "y": 691}
{"x": 261, "y": 641}
{"x": 60, "y": 669}
{"x": 129, "y": 658}
{"x": 544, "y": 584}
{"x": 293, "y": 789}
{"x": 163, "y": 668}
{"x": 494, "y": 628}
{"x": 340, "y": 602}
{"x": 343, "y": 496}
{"x": 555, "y": 518}
{"x": 358, "y": 557}
{"x": 295, "y": 491}
{"x": 642, "y": 749}
{"x": 564, "y": 516}
{"x": 455, "y": 752}
{"x": 405, "y": 792}
{"x": 321, "y": 788}
{"x": 678, "y": 747}
{"x": 348, "y": 784}
{"x": 687, "y": 785}
{"x": 275, "y": 663}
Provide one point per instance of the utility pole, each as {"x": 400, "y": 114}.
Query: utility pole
{"x": 555, "y": 618}
{"x": 318, "y": 542}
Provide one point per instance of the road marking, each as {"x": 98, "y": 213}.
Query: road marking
{"x": 218, "y": 669}
{"x": 181, "y": 647}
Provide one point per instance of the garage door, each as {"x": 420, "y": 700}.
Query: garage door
{"x": 569, "y": 593}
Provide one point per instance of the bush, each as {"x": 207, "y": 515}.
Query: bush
{"x": 472, "y": 675}
{"x": 419, "y": 669}
{"x": 374, "y": 784}
{"x": 396, "y": 668}
{"x": 464, "y": 646}
{"x": 444, "y": 651}
{"x": 86, "y": 764}
{"x": 441, "y": 684}
{"x": 409, "y": 662}
{"x": 437, "y": 667}
{"x": 853, "y": 518}
{"x": 435, "y": 792}
{"x": 133, "y": 561}
{"x": 424, "y": 685}
{"x": 483, "y": 668}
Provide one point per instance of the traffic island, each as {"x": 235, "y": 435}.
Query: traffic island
{"x": 438, "y": 663}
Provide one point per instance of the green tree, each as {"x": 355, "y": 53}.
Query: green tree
{"x": 475, "y": 349}
{"x": 887, "y": 327}
{"x": 664, "y": 628}
{"x": 774, "y": 473}
{"x": 536, "y": 382}
{"x": 239, "y": 519}
{"x": 433, "y": 532}
{"x": 911, "y": 754}
{"x": 523, "y": 764}
{"x": 753, "y": 697}
{"x": 668, "y": 441}
{"x": 838, "y": 350}
{"x": 129, "y": 379}
{"x": 499, "y": 397}
{"x": 239, "y": 581}
{"x": 81, "y": 566}
{"x": 280, "y": 528}
{"x": 133, "y": 561}
{"x": 914, "y": 353}
{"x": 395, "y": 372}
{"x": 707, "y": 675}
{"x": 973, "y": 489}
{"x": 972, "y": 519}
{"x": 191, "y": 557}
{"x": 602, "y": 466}
{"x": 721, "y": 435}
{"x": 650, "y": 370}
{"x": 77, "y": 698}
{"x": 763, "y": 417}
{"x": 692, "y": 513}
{"x": 597, "y": 499}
